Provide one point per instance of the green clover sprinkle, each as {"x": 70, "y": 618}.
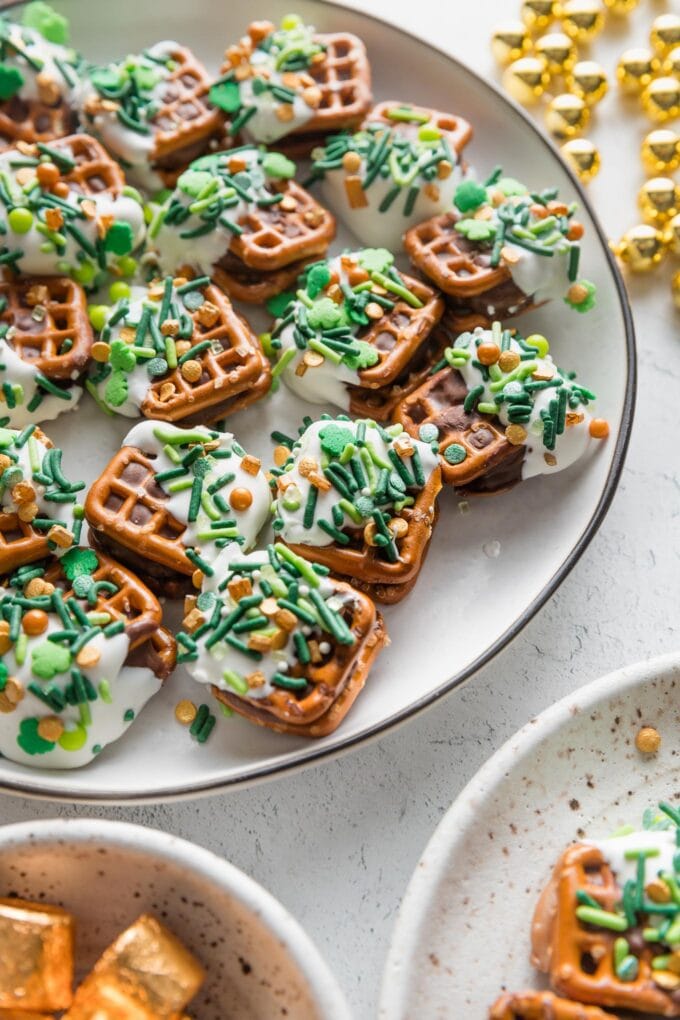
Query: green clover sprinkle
{"x": 192, "y": 182}
{"x": 318, "y": 277}
{"x": 30, "y": 741}
{"x": 334, "y": 439}
{"x": 477, "y": 230}
{"x": 82, "y": 585}
{"x": 365, "y": 505}
{"x": 509, "y": 186}
{"x": 278, "y": 304}
{"x": 11, "y": 80}
{"x": 455, "y": 454}
{"x": 363, "y": 356}
{"x": 76, "y": 562}
{"x": 324, "y": 314}
{"x": 122, "y": 356}
{"x": 226, "y": 96}
{"x": 586, "y": 303}
{"x": 48, "y": 658}
{"x": 375, "y": 260}
{"x": 469, "y": 196}
{"x": 116, "y": 390}
{"x": 276, "y": 165}
{"x": 106, "y": 78}
{"x": 44, "y": 19}
{"x": 119, "y": 238}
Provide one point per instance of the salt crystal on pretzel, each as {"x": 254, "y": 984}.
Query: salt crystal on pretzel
{"x": 171, "y": 498}
{"x": 36, "y": 950}
{"x": 40, "y": 77}
{"x": 240, "y": 217}
{"x": 299, "y": 662}
{"x": 372, "y": 524}
{"x": 542, "y": 1006}
{"x": 177, "y": 350}
{"x": 401, "y": 167}
{"x": 151, "y": 112}
{"x": 354, "y": 321}
{"x": 82, "y": 653}
{"x": 499, "y": 410}
{"x": 293, "y": 82}
{"x": 502, "y": 249}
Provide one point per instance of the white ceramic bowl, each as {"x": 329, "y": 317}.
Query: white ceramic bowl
{"x": 260, "y": 963}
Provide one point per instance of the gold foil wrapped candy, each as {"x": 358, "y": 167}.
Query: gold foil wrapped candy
{"x": 510, "y": 41}
{"x": 672, "y": 235}
{"x": 582, "y": 19}
{"x": 641, "y": 248}
{"x": 583, "y": 157}
{"x": 665, "y": 32}
{"x": 526, "y": 79}
{"x": 588, "y": 80}
{"x": 671, "y": 62}
{"x": 36, "y": 956}
{"x": 538, "y": 14}
{"x": 660, "y": 151}
{"x": 661, "y": 99}
{"x": 558, "y": 51}
{"x": 567, "y": 116}
{"x": 659, "y": 200}
{"x": 636, "y": 68}
{"x": 621, "y": 6}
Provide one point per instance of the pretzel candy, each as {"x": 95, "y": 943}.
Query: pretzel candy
{"x": 542, "y": 1006}
{"x": 502, "y": 249}
{"x": 299, "y": 665}
{"x": 151, "y": 112}
{"x": 401, "y": 167}
{"x": 293, "y": 83}
{"x": 83, "y": 651}
{"x": 177, "y": 350}
{"x": 354, "y": 322}
{"x": 593, "y": 928}
{"x": 359, "y": 500}
{"x": 75, "y": 220}
{"x": 40, "y": 79}
{"x": 495, "y": 418}
{"x": 240, "y": 217}
{"x": 169, "y": 516}
{"x": 39, "y": 509}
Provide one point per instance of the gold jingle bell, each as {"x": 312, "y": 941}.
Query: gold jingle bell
{"x": 510, "y": 41}
{"x": 526, "y": 79}
{"x": 660, "y": 151}
{"x": 675, "y": 289}
{"x": 621, "y": 6}
{"x": 558, "y": 51}
{"x": 566, "y": 116}
{"x": 641, "y": 248}
{"x": 636, "y": 68}
{"x": 582, "y": 19}
{"x": 538, "y": 14}
{"x": 672, "y": 235}
{"x": 665, "y": 32}
{"x": 588, "y": 80}
{"x": 659, "y": 199}
{"x": 661, "y": 99}
{"x": 583, "y": 157}
{"x": 671, "y": 64}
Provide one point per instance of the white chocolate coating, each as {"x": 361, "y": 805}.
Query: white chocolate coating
{"x": 45, "y": 53}
{"x": 614, "y": 851}
{"x": 23, "y": 373}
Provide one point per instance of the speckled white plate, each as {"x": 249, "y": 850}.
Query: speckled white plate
{"x": 258, "y": 960}
{"x": 489, "y": 570}
{"x": 462, "y": 934}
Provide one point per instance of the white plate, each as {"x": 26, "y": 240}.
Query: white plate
{"x": 469, "y": 602}
{"x": 258, "y": 960}
{"x": 462, "y": 934}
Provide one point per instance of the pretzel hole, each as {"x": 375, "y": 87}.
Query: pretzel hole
{"x": 341, "y": 49}
{"x": 113, "y": 502}
{"x": 588, "y": 963}
{"x": 17, "y": 110}
{"x": 189, "y": 111}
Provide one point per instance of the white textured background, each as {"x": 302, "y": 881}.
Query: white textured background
{"x": 337, "y": 844}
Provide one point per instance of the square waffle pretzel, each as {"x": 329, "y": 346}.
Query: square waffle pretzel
{"x": 95, "y": 172}
{"x": 20, "y": 542}
{"x": 62, "y": 316}
{"x": 32, "y": 121}
{"x": 542, "y": 1006}
{"x": 456, "y": 130}
{"x": 360, "y": 562}
{"x": 462, "y": 269}
{"x": 132, "y": 602}
{"x": 129, "y": 517}
{"x": 492, "y": 463}
{"x": 344, "y": 79}
{"x": 579, "y": 958}
{"x": 239, "y": 368}
{"x": 336, "y": 682}
{"x": 380, "y": 404}
{"x": 252, "y": 287}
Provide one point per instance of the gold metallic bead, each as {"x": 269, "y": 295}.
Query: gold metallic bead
{"x": 538, "y": 14}
{"x": 582, "y": 19}
{"x": 659, "y": 200}
{"x": 566, "y": 116}
{"x": 526, "y": 79}
{"x": 636, "y": 68}
{"x": 671, "y": 235}
{"x": 621, "y": 6}
{"x": 675, "y": 289}
{"x": 510, "y": 41}
{"x": 583, "y": 157}
{"x": 641, "y": 248}
{"x": 558, "y": 51}
{"x": 660, "y": 151}
{"x": 661, "y": 99}
{"x": 671, "y": 64}
{"x": 588, "y": 80}
{"x": 665, "y": 32}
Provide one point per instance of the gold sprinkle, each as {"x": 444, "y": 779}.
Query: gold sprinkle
{"x": 374, "y": 310}
{"x": 170, "y": 327}
{"x": 54, "y": 218}
{"x": 197, "y": 578}
{"x": 508, "y": 361}
{"x": 398, "y": 526}
{"x": 88, "y": 656}
{"x": 515, "y": 434}
{"x": 313, "y": 359}
{"x": 191, "y": 370}
{"x": 288, "y": 203}
{"x": 25, "y": 175}
{"x": 356, "y": 196}
{"x": 60, "y": 536}
{"x": 432, "y": 191}
{"x": 256, "y": 679}
{"x": 167, "y": 391}
{"x": 550, "y": 459}
{"x": 251, "y": 465}
{"x": 306, "y": 465}
{"x": 207, "y": 314}
{"x": 286, "y": 620}
{"x": 312, "y": 96}
{"x": 38, "y": 294}
{"x": 50, "y": 728}
{"x": 444, "y": 169}
{"x": 100, "y": 351}
{"x": 240, "y": 588}
{"x": 648, "y": 740}
{"x": 658, "y": 891}
{"x": 5, "y": 643}
{"x": 351, "y": 162}
{"x": 36, "y": 586}
{"x": 193, "y": 620}
{"x": 23, "y": 492}
{"x": 281, "y": 455}
{"x": 185, "y": 712}
{"x": 284, "y": 112}
{"x": 319, "y": 481}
